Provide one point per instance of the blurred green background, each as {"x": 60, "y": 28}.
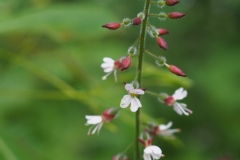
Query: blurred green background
{"x": 50, "y": 78}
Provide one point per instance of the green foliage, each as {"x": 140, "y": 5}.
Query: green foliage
{"x": 50, "y": 78}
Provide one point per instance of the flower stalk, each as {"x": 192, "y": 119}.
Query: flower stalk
{"x": 139, "y": 74}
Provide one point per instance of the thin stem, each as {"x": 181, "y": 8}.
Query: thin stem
{"x": 152, "y": 93}
{"x": 139, "y": 73}
{"x": 151, "y": 54}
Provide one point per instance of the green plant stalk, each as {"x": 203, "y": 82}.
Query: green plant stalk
{"x": 139, "y": 73}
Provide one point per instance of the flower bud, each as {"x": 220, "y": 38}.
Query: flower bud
{"x": 118, "y": 64}
{"x": 171, "y": 2}
{"x": 126, "y": 63}
{"x": 176, "y": 15}
{"x": 161, "y": 43}
{"x": 137, "y": 21}
{"x": 112, "y": 26}
{"x": 169, "y": 100}
{"x": 176, "y": 71}
{"x": 162, "y": 31}
{"x": 109, "y": 114}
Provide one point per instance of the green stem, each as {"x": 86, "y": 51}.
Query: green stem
{"x": 151, "y": 54}
{"x": 139, "y": 73}
{"x": 152, "y": 93}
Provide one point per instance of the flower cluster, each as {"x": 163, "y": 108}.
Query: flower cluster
{"x": 134, "y": 89}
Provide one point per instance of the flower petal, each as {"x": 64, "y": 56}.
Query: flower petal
{"x": 108, "y": 60}
{"x": 129, "y": 87}
{"x": 146, "y": 156}
{"x": 93, "y": 119}
{"x": 179, "y": 94}
{"x": 125, "y": 101}
{"x": 135, "y": 104}
{"x": 165, "y": 127}
{"x": 138, "y": 91}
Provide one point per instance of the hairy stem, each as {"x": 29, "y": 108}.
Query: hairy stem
{"x": 139, "y": 73}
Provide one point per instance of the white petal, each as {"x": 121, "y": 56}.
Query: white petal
{"x": 93, "y": 119}
{"x": 169, "y": 132}
{"x": 154, "y": 151}
{"x": 135, "y": 104}
{"x": 129, "y": 88}
{"x": 138, "y": 91}
{"x": 180, "y": 108}
{"x": 179, "y": 94}
{"x": 146, "y": 156}
{"x": 108, "y": 60}
{"x": 107, "y": 68}
{"x": 125, "y": 101}
{"x": 165, "y": 127}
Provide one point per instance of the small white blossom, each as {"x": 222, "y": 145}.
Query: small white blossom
{"x": 96, "y": 122}
{"x": 152, "y": 153}
{"x": 164, "y": 130}
{"x": 131, "y": 98}
{"x": 108, "y": 67}
{"x": 180, "y": 108}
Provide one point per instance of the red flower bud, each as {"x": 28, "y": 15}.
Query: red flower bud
{"x": 146, "y": 142}
{"x": 109, "y": 114}
{"x": 176, "y": 15}
{"x": 171, "y": 2}
{"x": 161, "y": 43}
{"x": 137, "y": 21}
{"x": 126, "y": 63}
{"x": 177, "y": 71}
{"x": 112, "y": 26}
{"x": 162, "y": 31}
{"x": 118, "y": 64}
{"x": 169, "y": 100}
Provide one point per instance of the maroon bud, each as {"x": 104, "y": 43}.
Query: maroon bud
{"x": 108, "y": 114}
{"x": 177, "y": 71}
{"x": 171, "y": 2}
{"x": 118, "y": 64}
{"x": 126, "y": 63}
{"x": 169, "y": 100}
{"x": 161, "y": 43}
{"x": 176, "y": 15}
{"x": 162, "y": 31}
{"x": 137, "y": 21}
{"x": 112, "y": 26}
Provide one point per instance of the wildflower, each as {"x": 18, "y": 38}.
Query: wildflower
{"x": 180, "y": 108}
{"x": 109, "y": 66}
{"x": 162, "y": 130}
{"x": 152, "y": 152}
{"x": 131, "y": 98}
{"x": 98, "y": 120}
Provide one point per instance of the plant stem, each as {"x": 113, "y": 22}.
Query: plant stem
{"x": 139, "y": 73}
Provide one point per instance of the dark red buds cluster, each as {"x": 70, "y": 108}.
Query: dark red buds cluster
{"x": 162, "y": 43}
{"x": 112, "y": 26}
{"x": 176, "y": 15}
{"x": 177, "y": 71}
{"x": 171, "y": 2}
{"x": 136, "y": 21}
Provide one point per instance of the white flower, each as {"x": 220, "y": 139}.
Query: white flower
{"x": 131, "y": 98}
{"x": 96, "y": 122}
{"x": 180, "y": 108}
{"x": 165, "y": 131}
{"x": 108, "y": 67}
{"x": 152, "y": 152}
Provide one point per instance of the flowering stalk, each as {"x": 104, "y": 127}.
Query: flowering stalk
{"x": 139, "y": 73}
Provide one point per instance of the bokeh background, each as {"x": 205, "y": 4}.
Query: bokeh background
{"x": 50, "y": 78}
